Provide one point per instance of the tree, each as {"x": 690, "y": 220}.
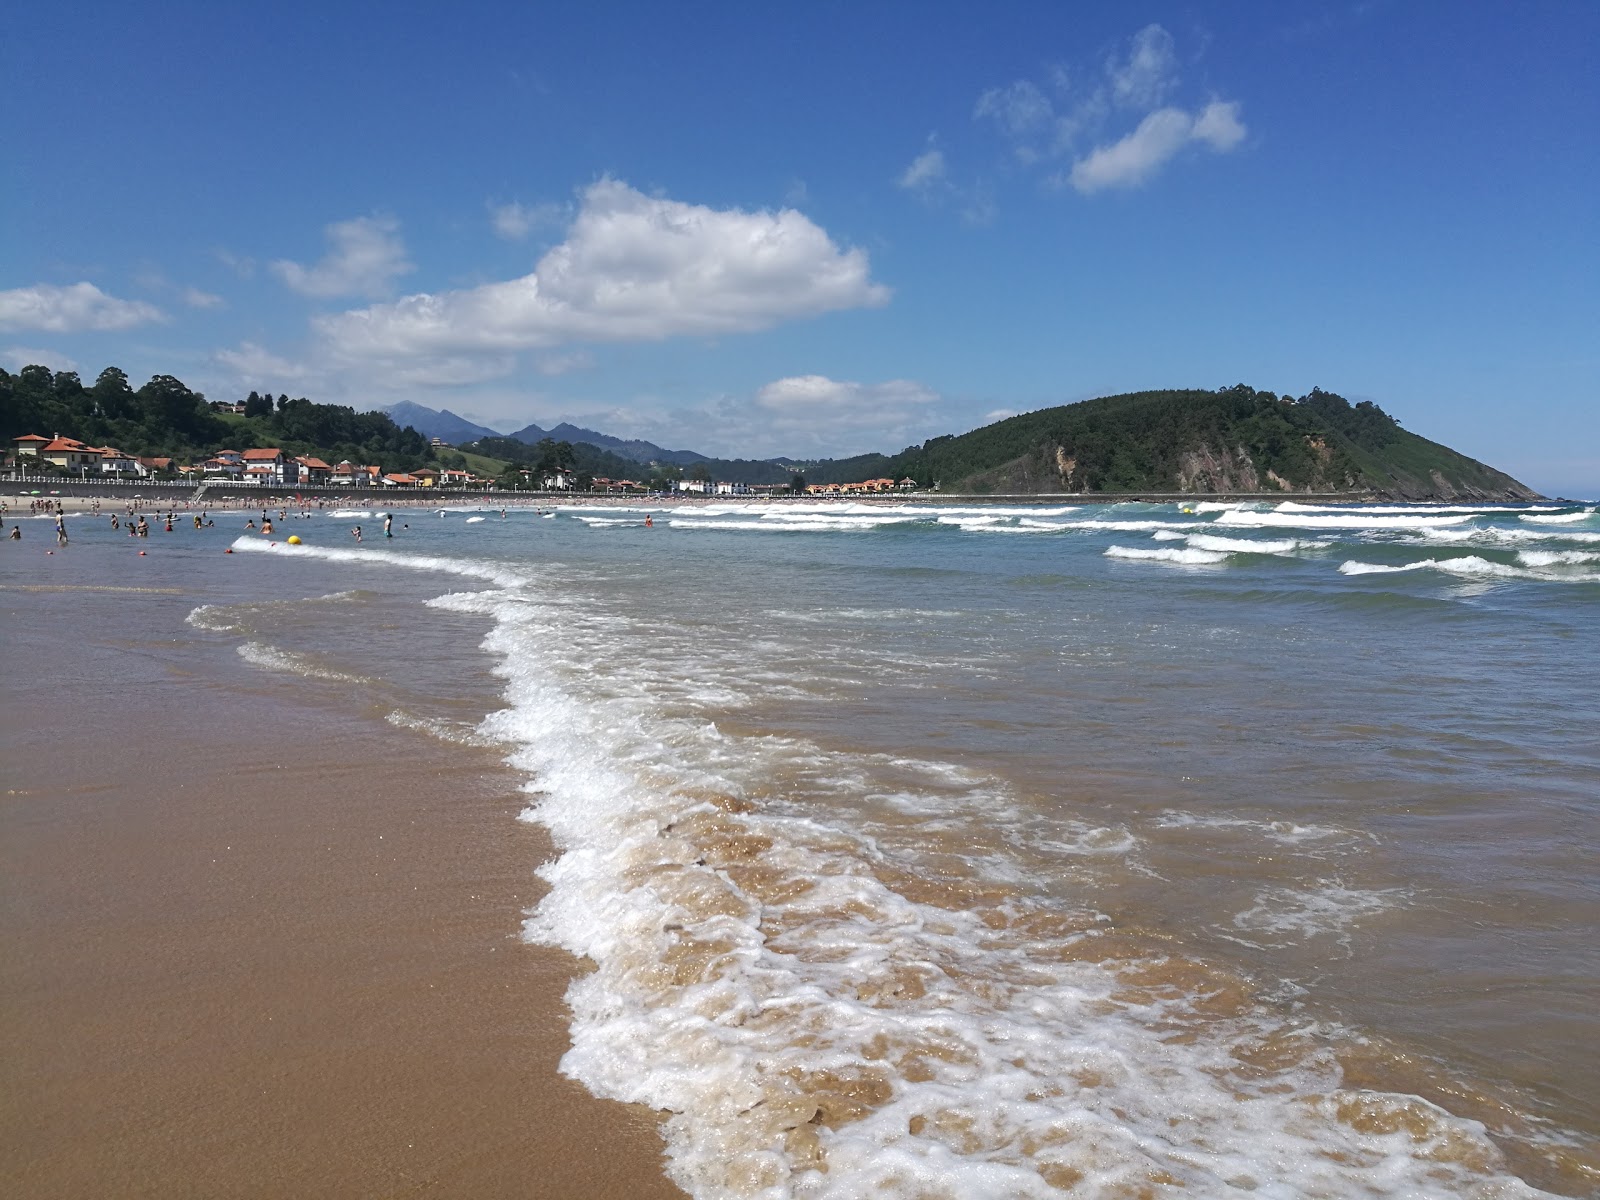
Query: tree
{"x": 701, "y": 472}
{"x": 797, "y": 483}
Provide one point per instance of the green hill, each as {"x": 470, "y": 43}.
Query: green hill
{"x": 1232, "y": 440}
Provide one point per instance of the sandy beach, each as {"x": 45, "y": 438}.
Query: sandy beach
{"x": 253, "y": 950}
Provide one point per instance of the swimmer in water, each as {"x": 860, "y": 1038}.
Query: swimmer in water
{"x": 16, "y": 533}
{"x": 356, "y": 533}
{"x": 266, "y": 527}
{"x": 388, "y": 523}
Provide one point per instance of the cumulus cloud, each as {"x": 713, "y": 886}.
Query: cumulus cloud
{"x": 75, "y": 308}
{"x": 1149, "y": 72}
{"x": 813, "y": 414}
{"x": 632, "y": 268}
{"x": 17, "y": 357}
{"x": 365, "y": 256}
{"x": 925, "y": 170}
{"x": 1218, "y": 126}
{"x": 514, "y": 221}
{"x": 1138, "y": 78}
{"x": 1133, "y": 159}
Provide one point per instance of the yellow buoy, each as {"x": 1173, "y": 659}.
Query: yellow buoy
{"x": 294, "y": 539}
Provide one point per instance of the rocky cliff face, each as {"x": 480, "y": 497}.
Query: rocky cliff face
{"x": 1207, "y": 469}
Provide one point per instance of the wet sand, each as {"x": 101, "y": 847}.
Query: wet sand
{"x": 253, "y": 949}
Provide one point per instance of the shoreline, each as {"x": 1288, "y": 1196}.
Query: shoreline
{"x": 259, "y": 945}
{"x": 79, "y": 499}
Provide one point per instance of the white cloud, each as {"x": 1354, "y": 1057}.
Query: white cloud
{"x": 804, "y": 416}
{"x": 1138, "y": 78}
{"x": 195, "y": 298}
{"x": 1218, "y": 125}
{"x": 17, "y": 357}
{"x": 1138, "y": 156}
{"x": 243, "y": 267}
{"x": 257, "y": 365}
{"x": 76, "y": 308}
{"x": 1019, "y": 109}
{"x": 813, "y": 414}
{"x": 1148, "y": 74}
{"x": 632, "y": 268}
{"x": 999, "y": 414}
{"x": 365, "y": 256}
{"x": 515, "y": 221}
{"x": 926, "y": 169}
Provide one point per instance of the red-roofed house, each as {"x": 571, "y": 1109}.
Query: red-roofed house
{"x": 223, "y": 468}
{"x": 313, "y": 470}
{"x": 70, "y": 453}
{"x": 279, "y": 468}
{"x": 29, "y": 444}
{"x": 116, "y": 462}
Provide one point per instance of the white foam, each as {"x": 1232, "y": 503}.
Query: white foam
{"x": 1398, "y": 510}
{"x": 273, "y": 658}
{"x": 483, "y": 569}
{"x": 346, "y": 514}
{"x": 1557, "y": 558}
{"x": 1225, "y": 545}
{"x": 843, "y": 525}
{"x": 1496, "y": 536}
{"x": 1325, "y": 520}
{"x": 1287, "y": 833}
{"x": 1184, "y": 557}
{"x": 474, "y": 520}
{"x": 1470, "y": 567}
{"x": 212, "y": 617}
{"x": 814, "y": 1032}
{"x": 1558, "y": 518}
{"x": 1284, "y": 916}
{"x": 1115, "y": 526}
{"x": 446, "y": 731}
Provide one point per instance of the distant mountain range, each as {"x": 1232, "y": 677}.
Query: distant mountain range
{"x": 638, "y": 451}
{"x": 1230, "y": 440}
{"x": 436, "y": 423}
{"x": 448, "y": 427}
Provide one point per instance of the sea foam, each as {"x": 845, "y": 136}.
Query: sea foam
{"x": 819, "y": 1019}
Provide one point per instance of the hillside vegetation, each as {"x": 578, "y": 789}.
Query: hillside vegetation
{"x": 1232, "y": 440}
{"x": 164, "y": 417}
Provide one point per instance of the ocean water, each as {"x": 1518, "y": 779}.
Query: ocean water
{"x": 987, "y": 851}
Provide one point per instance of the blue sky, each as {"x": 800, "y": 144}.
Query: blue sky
{"x": 819, "y": 229}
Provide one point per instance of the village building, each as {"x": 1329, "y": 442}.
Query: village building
{"x": 313, "y": 471}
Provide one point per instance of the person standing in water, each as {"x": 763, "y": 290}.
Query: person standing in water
{"x": 61, "y": 530}
{"x": 388, "y": 525}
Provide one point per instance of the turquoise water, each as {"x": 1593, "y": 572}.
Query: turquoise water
{"x": 985, "y": 851}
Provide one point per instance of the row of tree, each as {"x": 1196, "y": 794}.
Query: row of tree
{"x": 166, "y": 418}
